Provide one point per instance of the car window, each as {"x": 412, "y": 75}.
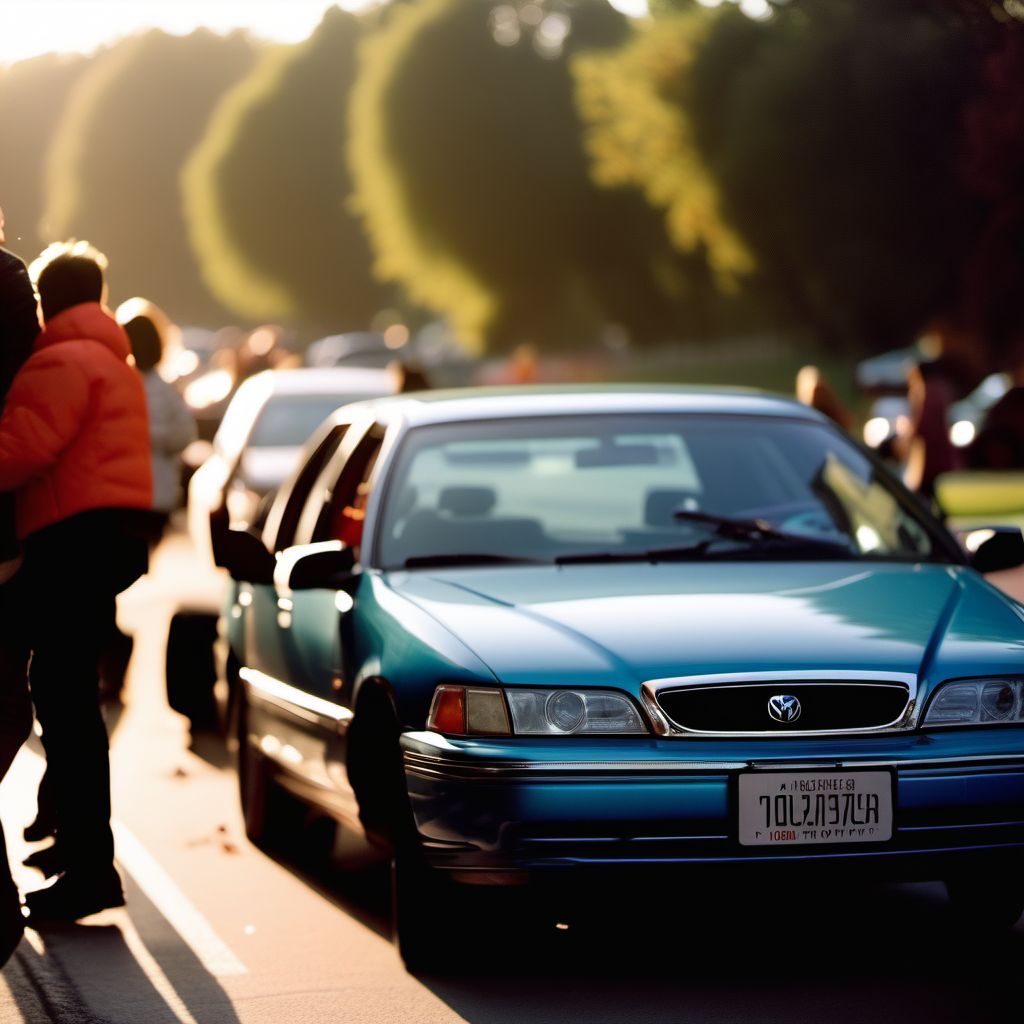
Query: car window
{"x": 351, "y": 494}
{"x": 550, "y": 487}
{"x": 334, "y": 474}
{"x": 288, "y": 421}
{"x": 283, "y": 517}
{"x": 241, "y": 413}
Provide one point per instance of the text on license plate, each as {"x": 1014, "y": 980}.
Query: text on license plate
{"x": 793, "y": 808}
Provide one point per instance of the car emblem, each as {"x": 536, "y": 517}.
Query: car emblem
{"x": 784, "y": 708}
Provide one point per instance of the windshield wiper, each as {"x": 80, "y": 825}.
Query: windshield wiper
{"x": 467, "y": 558}
{"x": 677, "y": 554}
{"x": 760, "y": 530}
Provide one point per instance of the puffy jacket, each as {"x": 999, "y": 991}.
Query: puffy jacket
{"x": 74, "y": 434}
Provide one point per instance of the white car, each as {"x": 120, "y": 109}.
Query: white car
{"x": 260, "y": 438}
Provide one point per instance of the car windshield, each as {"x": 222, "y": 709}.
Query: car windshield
{"x": 602, "y": 488}
{"x": 288, "y": 421}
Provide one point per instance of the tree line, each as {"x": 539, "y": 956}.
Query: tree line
{"x": 537, "y": 170}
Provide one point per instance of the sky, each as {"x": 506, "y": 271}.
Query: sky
{"x": 32, "y": 27}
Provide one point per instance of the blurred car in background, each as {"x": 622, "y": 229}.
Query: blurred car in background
{"x": 256, "y": 448}
{"x": 433, "y": 349}
{"x": 260, "y": 438}
{"x": 355, "y": 348}
{"x": 884, "y": 378}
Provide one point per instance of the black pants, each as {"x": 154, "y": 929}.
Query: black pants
{"x": 59, "y": 608}
{"x": 15, "y": 726}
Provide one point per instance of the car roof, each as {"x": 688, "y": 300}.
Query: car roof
{"x": 486, "y": 403}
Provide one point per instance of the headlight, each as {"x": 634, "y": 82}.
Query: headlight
{"x": 468, "y": 711}
{"x": 977, "y": 702}
{"x": 570, "y": 712}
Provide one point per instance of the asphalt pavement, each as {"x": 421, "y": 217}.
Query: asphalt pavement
{"x": 218, "y": 932}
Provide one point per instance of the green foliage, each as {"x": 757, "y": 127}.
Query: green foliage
{"x": 32, "y": 96}
{"x": 472, "y": 179}
{"x": 639, "y": 135}
{"x": 819, "y": 147}
{"x": 832, "y": 130}
{"x": 267, "y": 191}
{"x": 135, "y": 114}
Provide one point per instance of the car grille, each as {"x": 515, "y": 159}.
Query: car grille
{"x": 825, "y": 706}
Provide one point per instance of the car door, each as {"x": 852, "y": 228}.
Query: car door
{"x": 258, "y": 604}
{"x": 311, "y": 625}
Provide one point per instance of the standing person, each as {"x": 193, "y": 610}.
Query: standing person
{"x": 74, "y": 444}
{"x": 19, "y": 326}
{"x": 1000, "y": 441}
{"x": 172, "y": 427}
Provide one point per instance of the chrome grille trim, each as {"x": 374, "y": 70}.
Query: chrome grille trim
{"x": 665, "y": 726}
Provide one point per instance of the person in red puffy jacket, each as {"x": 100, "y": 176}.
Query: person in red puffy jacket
{"x": 74, "y": 446}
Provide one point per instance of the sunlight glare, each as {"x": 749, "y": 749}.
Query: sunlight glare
{"x": 29, "y": 28}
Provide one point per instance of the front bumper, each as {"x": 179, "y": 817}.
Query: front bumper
{"x": 523, "y": 807}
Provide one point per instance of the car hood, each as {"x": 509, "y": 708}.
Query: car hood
{"x": 611, "y": 624}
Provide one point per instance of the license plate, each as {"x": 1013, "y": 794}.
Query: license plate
{"x": 798, "y": 808}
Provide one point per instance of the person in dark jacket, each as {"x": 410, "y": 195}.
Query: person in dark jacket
{"x": 19, "y": 325}
{"x": 74, "y": 444}
{"x": 1000, "y": 442}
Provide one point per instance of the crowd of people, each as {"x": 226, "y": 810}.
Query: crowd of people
{"x": 89, "y": 438}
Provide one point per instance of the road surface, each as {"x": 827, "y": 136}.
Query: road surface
{"x": 217, "y": 932}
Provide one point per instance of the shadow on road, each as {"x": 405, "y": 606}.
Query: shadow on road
{"x": 344, "y": 871}
{"x": 136, "y": 968}
{"x": 799, "y": 955}
{"x": 791, "y": 957}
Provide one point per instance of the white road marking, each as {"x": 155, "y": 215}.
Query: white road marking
{"x": 152, "y": 969}
{"x": 167, "y": 897}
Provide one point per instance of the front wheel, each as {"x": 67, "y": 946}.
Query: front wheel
{"x": 430, "y": 919}
{"x": 990, "y": 902}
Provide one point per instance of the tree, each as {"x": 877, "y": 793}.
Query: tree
{"x": 267, "y": 191}
{"x": 32, "y": 96}
{"x": 820, "y": 146}
{"x": 471, "y": 176}
{"x": 114, "y": 165}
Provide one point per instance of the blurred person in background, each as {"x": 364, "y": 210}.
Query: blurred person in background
{"x": 408, "y": 376}
{"x": 813, "y": 389}
{"x": 932, "y": 388}
{"x": 172, "y": 427}
{"x": 1000, "y": 441}
{"x": 74, "y": 444}
{"x": 19, "y": 326}
{"x": 262, "y": 349}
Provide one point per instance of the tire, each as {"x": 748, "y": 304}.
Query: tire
{"x": 986, "y": 903}
{"x": 189, "y": 668}
{"x": 270, "y": 815}
{"x": 227, "y": 712}
{"x": 429, "y": 912}
{"x": 429, "y": 918}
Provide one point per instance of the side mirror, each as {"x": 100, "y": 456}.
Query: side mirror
{"x": 243, "y": 555}
{"x": 993, "y": 548}
{"x": 325, "y": 566}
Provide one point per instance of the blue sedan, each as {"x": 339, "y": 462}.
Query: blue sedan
{"x": 511, "y": 636}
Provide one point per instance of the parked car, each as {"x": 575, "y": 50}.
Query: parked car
{"x": 536, "y": 638}
{"x": 260, "y": 439}
{"x": 355, "y": 348}
{"x": 258, "y": 444}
